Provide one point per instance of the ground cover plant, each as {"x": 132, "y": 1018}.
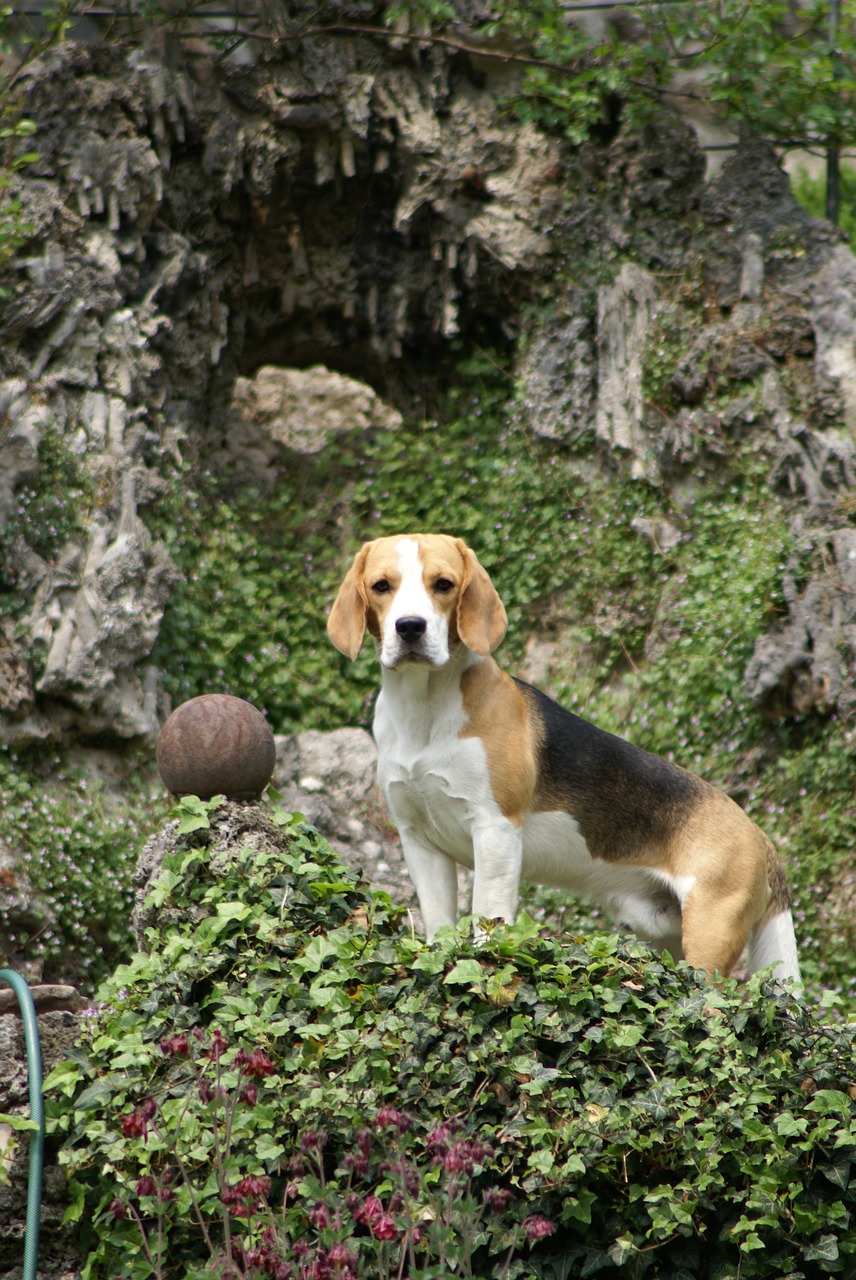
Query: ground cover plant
{"x": 77, "y": 846}
{"x": 289, "y": 1084}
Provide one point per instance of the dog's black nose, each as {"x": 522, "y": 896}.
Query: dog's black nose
{"x": 411, "y": 628}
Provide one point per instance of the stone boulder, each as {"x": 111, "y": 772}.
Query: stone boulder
{"x": 301, "y": 411}
{"x": 331, "y": 779}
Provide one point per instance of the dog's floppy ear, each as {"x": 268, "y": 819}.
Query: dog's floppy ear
{"x": 481, "y": 614}
{"x": 346, "y": 625}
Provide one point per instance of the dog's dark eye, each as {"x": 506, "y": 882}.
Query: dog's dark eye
{"x": 443, "y": 586}
{"x": 381, "y": 587}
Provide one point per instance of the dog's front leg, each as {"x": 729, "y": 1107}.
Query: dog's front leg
{"x": 435, "y": 879}
{"x": 498, "y": 860}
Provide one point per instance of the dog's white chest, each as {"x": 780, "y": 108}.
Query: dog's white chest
{"x": 434, "y": 781}
{"x": 437, "y": 793}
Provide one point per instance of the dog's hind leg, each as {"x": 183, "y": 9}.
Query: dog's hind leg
{"x": 734, "y": 883}
{"x": 773, "y": 942}
{"x": 716, "y": 927}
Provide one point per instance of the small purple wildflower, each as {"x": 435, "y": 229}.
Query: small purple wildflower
{"x": 537, "y": 1227}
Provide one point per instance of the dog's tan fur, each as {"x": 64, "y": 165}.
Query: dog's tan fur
{"x": 497, "y": 714}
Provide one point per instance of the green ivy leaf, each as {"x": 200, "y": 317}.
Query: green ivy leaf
{"x": 465, "y": 972}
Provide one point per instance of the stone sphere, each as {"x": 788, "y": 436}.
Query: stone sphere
{"x": 216, "y": 745}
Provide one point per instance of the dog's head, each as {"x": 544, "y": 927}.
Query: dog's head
{"x": 420, "y": 596}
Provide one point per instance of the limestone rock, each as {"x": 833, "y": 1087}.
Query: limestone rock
{"x": 331, "y": 779}
{"x": 219, "y": 248}
{"x": 833, "y": 317}
{"x": 16, "y": 683}
{"x": 302, "y": 410}
{"x": 625, "y": 311}
{"x": 558, "y": 376}
{"x": 98, "y": 616}
{"x": 210, "y": 234}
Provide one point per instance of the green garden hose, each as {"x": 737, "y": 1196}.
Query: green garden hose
{"x": 37, "y": 1114}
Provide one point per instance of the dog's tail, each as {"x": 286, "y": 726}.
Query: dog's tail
{"x": 773, "y": 941}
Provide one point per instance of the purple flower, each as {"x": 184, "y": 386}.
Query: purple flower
{"x": 176, "y": 1046}
{"x": 341, "y": 1261}
{"x": 391, "y": 1118}
{"x": 255, "y": 1064}
{"x": 367, "y": 1210}
{"x": 383, "y": 1227}
{"x": 218, "y": 1044}
{"x": 313, "y": 1140}
{"x": 463, "y": 1156}
{"x": 537, "y": 1227}
{"x": 136, "y": 1123}
{"x": 319, "y": 1216}
{"x": 253, "y": 1186}
{"x": 497, "y": 1199}
{"x": 440, "y": 1136}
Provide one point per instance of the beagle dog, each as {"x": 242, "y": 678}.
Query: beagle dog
{"x": 481, "y": 769}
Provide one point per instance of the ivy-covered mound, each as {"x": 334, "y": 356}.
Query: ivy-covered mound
{"x": 291, "y": 1085}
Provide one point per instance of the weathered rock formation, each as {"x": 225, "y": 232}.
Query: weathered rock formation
{"x": 302, "y": 410}
{"x": 191, "y": 224}
{"x": 331, "y": 779}
{"x": 754, "y": 343}
{"x": 217, "y": 244}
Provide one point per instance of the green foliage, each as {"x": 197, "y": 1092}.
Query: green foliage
{"x": 288, "y": 1081}
{"x": 811, "y": 193}
{"x": 14, "y": 228}
{"x": 776, "y": 67}
{"x": 193, "y": 813}
{"x": 15, "y": 156}
{"x": 717, "y": 589}
{"x": 771, "y": 66}
{"x": 78, "y": 849}
{"x": 22, "y": 39}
